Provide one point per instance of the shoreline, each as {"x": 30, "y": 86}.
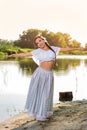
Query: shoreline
{"x": 67, "y": 116}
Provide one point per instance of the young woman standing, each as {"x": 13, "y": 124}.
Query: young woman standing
{"x": 39, "y": 103}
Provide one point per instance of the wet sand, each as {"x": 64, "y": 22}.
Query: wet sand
{"x": 67, "y": 116}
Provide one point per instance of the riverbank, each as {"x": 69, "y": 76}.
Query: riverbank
{"x": 67, "y": 116}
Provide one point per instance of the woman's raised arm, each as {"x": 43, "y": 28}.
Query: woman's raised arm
{"x": 70, "y": 49}
{"x": 20, "y": 55}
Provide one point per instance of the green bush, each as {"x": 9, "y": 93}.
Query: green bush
{"x": 2, "y": 55}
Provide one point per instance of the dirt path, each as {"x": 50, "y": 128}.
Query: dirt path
{"x": 67, "y": 116}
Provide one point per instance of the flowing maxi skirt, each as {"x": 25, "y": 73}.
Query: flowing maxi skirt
{"x": 39, "y": 103}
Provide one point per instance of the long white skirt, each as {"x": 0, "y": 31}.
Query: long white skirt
{"x": 39, "y": 101}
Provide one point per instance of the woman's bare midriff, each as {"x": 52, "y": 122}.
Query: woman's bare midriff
{"x": 48, "y": 65}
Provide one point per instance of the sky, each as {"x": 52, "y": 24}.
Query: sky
{"x": 66, "y": 16}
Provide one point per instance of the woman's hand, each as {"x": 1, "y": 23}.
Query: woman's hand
{"x": 81, "y": 48}
{"x": 19, "y": 55}
{"x": 8, "y": 56}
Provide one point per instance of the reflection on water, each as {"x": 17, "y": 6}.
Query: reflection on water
{"x": 70, "y": 75}
{"x": 11, "y": 104}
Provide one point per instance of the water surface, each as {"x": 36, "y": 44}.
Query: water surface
{"x": 15, "y": 76}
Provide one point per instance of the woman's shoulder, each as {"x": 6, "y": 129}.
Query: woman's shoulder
{"x": 35, "y": 51}
{"x": 55, "y": 47}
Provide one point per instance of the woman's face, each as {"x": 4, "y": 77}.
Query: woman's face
{"x": 40, "y": 43}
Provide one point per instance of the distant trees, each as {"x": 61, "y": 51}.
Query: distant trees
{"x": 86, "y": 46}
{"x": 5, "y": 44}
{"x": 58, "y": 39}
{"x": 25, "y": 42}
{"x": 26, "y": 39}
{"x": 7, "y": 47}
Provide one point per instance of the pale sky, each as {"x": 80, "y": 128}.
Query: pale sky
{"x": 66, "y": 16}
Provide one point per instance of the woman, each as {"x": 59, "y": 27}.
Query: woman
{"x": 39, "y": 103}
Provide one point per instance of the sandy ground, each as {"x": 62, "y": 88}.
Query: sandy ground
{"x": 67, "y": 116}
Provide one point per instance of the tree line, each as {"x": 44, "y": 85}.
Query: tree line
{"x": 25, "y": 41}
{"x": 57, "y": 39}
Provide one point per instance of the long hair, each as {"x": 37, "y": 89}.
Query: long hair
{"x": 46, "y": 42}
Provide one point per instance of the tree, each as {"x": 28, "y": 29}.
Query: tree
{"x": 75, "y": 43}
{"x": 57, "y": 39}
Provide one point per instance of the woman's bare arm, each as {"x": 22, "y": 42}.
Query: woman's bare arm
{"x": 70, "y": 49}
{"x": 20, "y": 55}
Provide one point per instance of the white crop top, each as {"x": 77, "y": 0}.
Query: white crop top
{"x": 39, "y": 55}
